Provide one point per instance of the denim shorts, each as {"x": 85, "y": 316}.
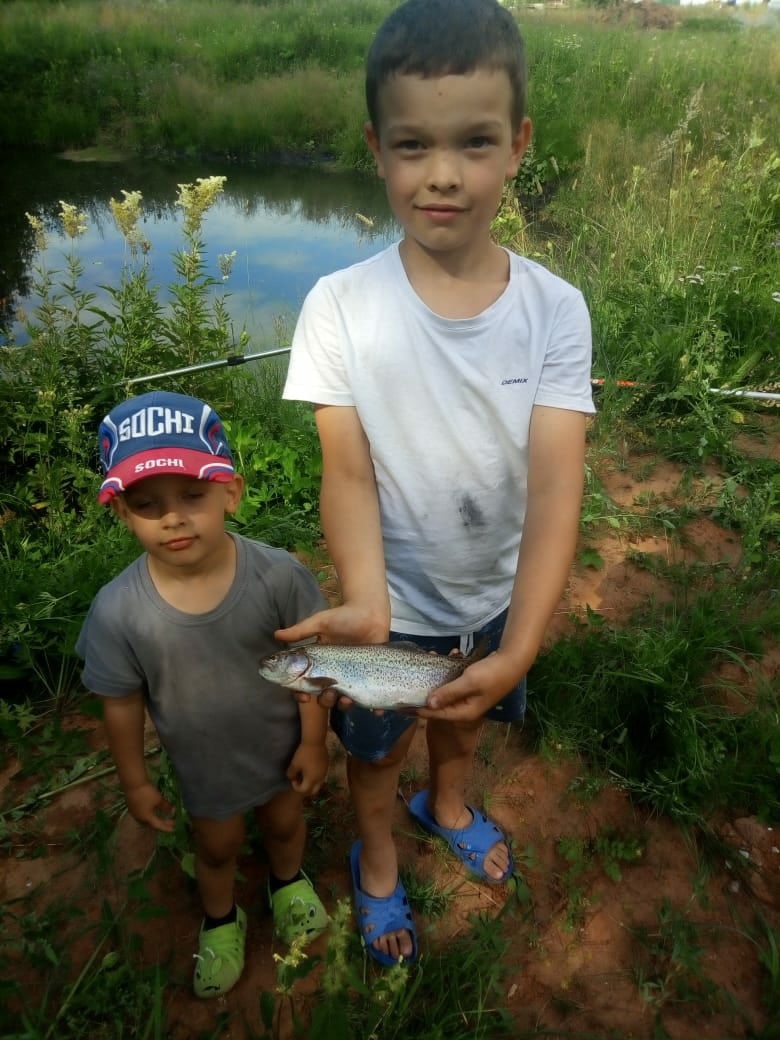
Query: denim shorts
{"x": 372, "y": 737}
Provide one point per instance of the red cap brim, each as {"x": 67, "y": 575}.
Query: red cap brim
{"x": 182, "y": 462}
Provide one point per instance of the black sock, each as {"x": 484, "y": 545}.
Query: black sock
{"x": 216, "y": 922}
{"x": 275, "y": 883}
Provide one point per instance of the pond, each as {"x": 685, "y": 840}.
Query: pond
{"x": 288, "y": 226}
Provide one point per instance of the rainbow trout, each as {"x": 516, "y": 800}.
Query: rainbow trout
{"x": 390, "y": 676}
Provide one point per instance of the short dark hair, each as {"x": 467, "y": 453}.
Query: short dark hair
{"x": 443, "y": 38}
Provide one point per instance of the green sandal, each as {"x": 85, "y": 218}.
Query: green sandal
{"x": 220, "y": 957}
{"x": 298, "y": 912}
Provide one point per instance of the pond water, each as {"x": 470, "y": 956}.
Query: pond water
{"x": 288, "y": 225}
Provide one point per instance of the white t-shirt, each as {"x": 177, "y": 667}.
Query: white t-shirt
{"x": 446, "y": 407}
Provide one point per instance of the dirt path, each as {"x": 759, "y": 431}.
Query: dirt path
{"x": 593, "y": 953}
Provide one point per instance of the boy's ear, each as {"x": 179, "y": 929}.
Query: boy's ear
{"x": 520, "y": 142}
{"x": 372, "y": 140}
{"x": 233, "y": 492}
{"x": 117, "y": 505}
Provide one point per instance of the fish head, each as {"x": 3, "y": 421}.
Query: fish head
{"x": 286, "y": 667}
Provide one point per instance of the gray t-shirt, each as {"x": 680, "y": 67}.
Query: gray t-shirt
{"x": 229, "y": 733}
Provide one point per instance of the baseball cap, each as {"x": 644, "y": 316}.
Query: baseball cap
{"x": 161, "y": 433}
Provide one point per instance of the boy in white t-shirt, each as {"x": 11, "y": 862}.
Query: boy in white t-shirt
{"x": 451, "y": 380}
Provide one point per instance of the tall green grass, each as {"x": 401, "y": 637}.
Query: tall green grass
{"x": 677, "y": 257}
{"x": 643, "y": 702}
{"x": 150, "y": 75}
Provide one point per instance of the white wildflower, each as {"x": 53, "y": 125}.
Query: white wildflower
{"x": 74, "y": 222}
{"x": 225, "y": 261}
{"x": 40, "y": 233}
{"x": 195, "y": 199}
{"x": 126, "y": 216}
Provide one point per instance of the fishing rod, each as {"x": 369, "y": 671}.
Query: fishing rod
{"x": 242, "y": 359}
{"x": 228, "y": 362}
{"x": 758, "y": 395}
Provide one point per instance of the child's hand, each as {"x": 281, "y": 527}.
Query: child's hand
{"x": 347, "y": 624}
{"x": 477, "y": 690}
{"x": 148, "y": 806}
{"x": 308, "y": 768}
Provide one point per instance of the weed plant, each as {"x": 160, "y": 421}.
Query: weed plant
{"x": 608, "y": 850}
{"x": 683, "y": 297}
{"x": 454, "y": 992}
{"x": 670, "y": 968}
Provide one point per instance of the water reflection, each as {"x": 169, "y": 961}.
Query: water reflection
{"x": 288, "y": 227}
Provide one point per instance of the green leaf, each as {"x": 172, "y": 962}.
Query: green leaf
{"x": 591, "y": 558}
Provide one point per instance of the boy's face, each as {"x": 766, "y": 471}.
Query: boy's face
{"x": 179, "y": 520}
{"x": 445, "y": 146}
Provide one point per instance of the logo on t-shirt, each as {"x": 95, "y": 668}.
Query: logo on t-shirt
{"x": 510, "y": 382}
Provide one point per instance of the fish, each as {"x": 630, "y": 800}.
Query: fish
{"x": 393, "y": 676}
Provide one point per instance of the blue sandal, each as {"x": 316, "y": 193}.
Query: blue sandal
{"x": 376, "y": 917}
{"x": 471, "y": 844}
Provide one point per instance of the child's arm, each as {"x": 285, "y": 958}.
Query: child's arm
{"x": 123, "y": 718}
{"x": 349, "y": 512}
{"x": 309, "y": 765}
{"x": 349, "y": 508}
{"x": 555, "y": 484}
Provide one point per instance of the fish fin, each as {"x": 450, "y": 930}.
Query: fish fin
{"x": 407, "y": 644}
{"x": 322, "y": 682}
{"x": 407, "y": 709}
{"x": 481, "y": 650}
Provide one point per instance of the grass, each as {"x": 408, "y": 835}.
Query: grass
{"x": 633, "y": 700}
{"x": 187, "y": 77}
{"x": 135, "y": 74}
{"x": 670, "y": 965}
{"x": 608, "y": 851}
{"x": 427, "y": 898}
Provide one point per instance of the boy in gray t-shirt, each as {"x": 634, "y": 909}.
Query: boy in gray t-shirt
{"x": 179, "y": 633}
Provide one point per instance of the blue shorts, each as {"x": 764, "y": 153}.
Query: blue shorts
{"x": 372, "y": 737}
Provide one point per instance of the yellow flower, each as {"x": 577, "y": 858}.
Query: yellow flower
{"x": 74, "y": 222}
{"x": 336, "y": 975}
{"x": 126, "y": 216}
{"x": 225, "y": 261}
{"x": 40, "y": 234}
{"x": 195, "y": 199}
{"x": 294, "y": 957}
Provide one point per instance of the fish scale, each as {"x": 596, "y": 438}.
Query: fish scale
{"x": 387, "y": 676}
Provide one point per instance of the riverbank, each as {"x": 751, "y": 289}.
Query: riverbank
{"x": 243, "y": 81}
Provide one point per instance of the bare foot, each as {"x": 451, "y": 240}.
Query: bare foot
{"x": 395, "y": 945}
{"x": 497, "y": 861}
